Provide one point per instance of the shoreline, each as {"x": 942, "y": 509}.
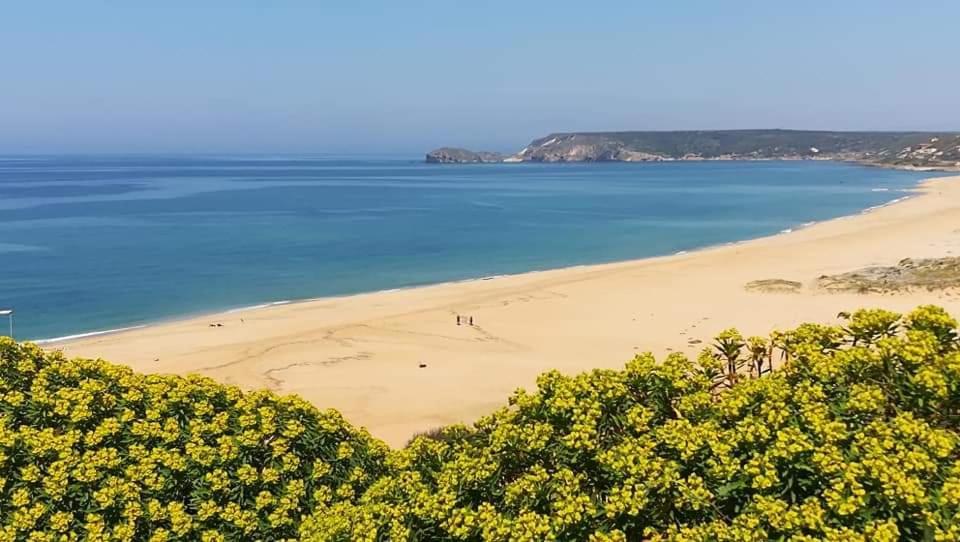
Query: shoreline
{"x": 219, "y": 313}
{"x": 947, "y": 169}
{"x": 362, "y": 353}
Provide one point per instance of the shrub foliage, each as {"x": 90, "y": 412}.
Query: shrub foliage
{"x": 94, "y": 451}
{"x": 845, "y": 432}
{"x": 855, "y": 437}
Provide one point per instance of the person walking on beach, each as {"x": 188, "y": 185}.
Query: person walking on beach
{"x": 471, "y": 320}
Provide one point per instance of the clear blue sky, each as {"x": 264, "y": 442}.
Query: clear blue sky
{"x": 406, "y": 76}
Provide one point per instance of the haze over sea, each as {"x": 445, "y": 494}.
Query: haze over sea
{"x": 98, "y": 243}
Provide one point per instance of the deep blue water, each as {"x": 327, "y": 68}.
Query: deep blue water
{"x": 95, "y": 243}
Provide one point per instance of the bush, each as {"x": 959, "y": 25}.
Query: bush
{"x": 855, "y": 435}
{"x": 90, "y": 450}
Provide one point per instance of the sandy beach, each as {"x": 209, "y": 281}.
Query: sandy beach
{"x": 362, "y": 354}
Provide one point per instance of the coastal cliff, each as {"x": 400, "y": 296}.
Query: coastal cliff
{"x": 929, "y": 150}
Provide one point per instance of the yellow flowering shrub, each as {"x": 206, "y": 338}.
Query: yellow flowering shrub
{"x": 94, "y": 451}
{"x": 846, "y": 433}
{"x": 855, "y": 436}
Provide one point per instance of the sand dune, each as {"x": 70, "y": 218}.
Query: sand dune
{"x": 362, "y": 354}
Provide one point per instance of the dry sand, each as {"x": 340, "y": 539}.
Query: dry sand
{"x": 362, "y": 354}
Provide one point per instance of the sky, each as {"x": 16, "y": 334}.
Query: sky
{"x": 403, "y": 77}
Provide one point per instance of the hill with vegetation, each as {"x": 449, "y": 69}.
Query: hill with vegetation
{"x": 848, "y": 432}
{"x": 894, "y": 149}
{"x": 450, "y": 155}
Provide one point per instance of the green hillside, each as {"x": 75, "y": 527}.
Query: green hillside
{"x": 903, "y": 149}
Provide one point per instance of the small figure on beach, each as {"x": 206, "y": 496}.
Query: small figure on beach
{"x": 471, "y": 320}
{"x": 458, "y": 319}
{"x": 422, "y": 365}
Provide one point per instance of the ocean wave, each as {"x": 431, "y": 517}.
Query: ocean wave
{"x": 887, "y": 204}
{"x": 14, "y": 247}
{"x": 487, "y": 205}
{"x": 89, "y": 334}
{"x": 260, "y": 306}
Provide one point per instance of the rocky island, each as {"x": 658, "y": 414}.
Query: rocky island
{"x": 927, "y": 150}
{"x": 451, "y": 155}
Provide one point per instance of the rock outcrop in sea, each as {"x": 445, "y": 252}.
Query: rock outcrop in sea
{"x": 451, "y": 155}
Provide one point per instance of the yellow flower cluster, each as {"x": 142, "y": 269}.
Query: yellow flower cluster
{"x": 855, "y": 437}
{"x": 93, "y": 451}
{"x": 842, "y": 433}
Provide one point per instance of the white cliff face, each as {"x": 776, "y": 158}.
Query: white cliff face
{"x": 548, "y": 143}
{"x": 519, "y": 157}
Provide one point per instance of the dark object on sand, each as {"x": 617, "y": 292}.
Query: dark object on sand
{"x": 422, "y": 365}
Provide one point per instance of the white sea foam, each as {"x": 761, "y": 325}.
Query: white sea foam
{"x": 249, "y": 308}
{"x": 882, "y": 205}
{"x": 14, "y": 247}
{"x": 879, "y": 189}
{"x": 260, "y": 306}
{"x": 84, "y": 335}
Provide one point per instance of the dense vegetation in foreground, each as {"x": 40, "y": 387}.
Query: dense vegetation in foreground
{"x": 94, "y": 451}
{"x": 855, "y": 437}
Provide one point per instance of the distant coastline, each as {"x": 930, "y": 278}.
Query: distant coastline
{"x": 915, "y": 151}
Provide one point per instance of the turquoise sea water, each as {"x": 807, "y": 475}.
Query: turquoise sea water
{"x": 98, "y": 243}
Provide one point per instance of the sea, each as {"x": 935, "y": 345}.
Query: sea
{"x": 96, "y": 243}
